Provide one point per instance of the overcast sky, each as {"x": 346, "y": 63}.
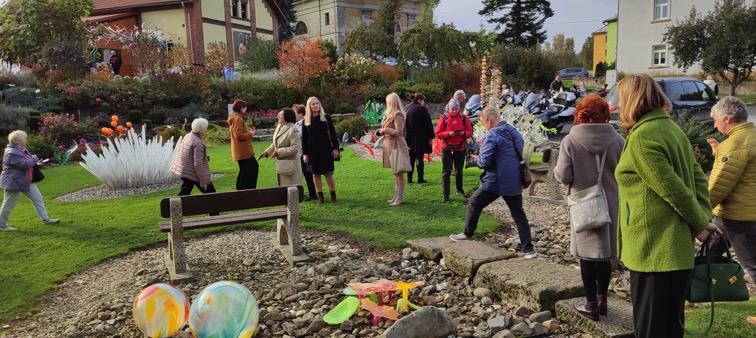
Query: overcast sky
{"x": 575, "y": 18}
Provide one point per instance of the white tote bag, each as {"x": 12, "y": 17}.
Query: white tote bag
{"x": 588, "y": 207}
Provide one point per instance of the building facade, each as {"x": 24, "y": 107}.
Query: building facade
{"x": 333, "y": 19}
{"x": 611, "y": 39}
{"x": 641, "y": 28}
{"x": 599, "y": 47}
{"x": 195, "y": 23}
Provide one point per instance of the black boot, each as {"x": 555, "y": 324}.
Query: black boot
{"x": 409, "y": 177}
{"x": 321, "y": 199}
{"x": 333, "y": 197}
{"x": 421, "y": 171}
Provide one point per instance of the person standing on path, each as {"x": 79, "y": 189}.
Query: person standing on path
{"x": 241, "y": 146}
{"x": 592, "y": 136}
{"x": 499, "y": 157}
{"x": 419, "y": 135}
{"x": 393, "y": 131}
{"x": 115, "y": 63}
{"x": 301, "y": 111}
{"x": 320, "y": 147}
{"x": 453, "y": 130}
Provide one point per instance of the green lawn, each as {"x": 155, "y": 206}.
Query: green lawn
{"x": 729, "y": 320}
{"x": 36, "y": 257}
{"x": 747, "y": 98}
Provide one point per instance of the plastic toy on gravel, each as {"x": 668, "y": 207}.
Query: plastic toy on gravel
{"x": 224, "y": 310}
{"x": 370, "y": 297}
{"x": 160, "y": 310}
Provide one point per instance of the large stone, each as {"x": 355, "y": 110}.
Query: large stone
{"x": 618, "y": 323}
{"x": 428, "y": 322}
{"x": 465, "y": 257}
{"x": 521, "y": 330}
{"x": 430, "y": 248}
{"x": 504, "y": 334}
{"x": 534, "y": 283}
{"x": 540, "y": 317}
{"x": 499, "y": 323}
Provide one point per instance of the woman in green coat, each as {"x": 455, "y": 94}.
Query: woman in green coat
{"x": 663, "y": 204}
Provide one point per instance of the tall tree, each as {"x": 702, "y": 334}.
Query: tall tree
{"x": 439, "y": 45}
{"x": 286, "y": 29}
{"x": 723, "y": 41}
{"x": 561, "y": 51}
{"x": 522, "y": 20}
{"x": 28, "y": 25}
{"x": 301, "y": 60}
{"x": 377, "y": 36}
{"x": 586, "y": 53}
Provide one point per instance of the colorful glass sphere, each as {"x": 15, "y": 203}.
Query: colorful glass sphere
{"x": 161, "y": 310}
{"x": 224, "y": 310}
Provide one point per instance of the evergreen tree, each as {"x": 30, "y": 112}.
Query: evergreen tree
{"x": 286, "y": 29}
{"x": 522, "y": 22}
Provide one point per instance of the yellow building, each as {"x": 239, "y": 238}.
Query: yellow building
{"x": 333, "y": 19}
{"x": 599, "y": 47}
{"x": 195, "y": 23}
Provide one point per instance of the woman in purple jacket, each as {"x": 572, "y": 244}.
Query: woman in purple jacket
{"x": 16, "y": 179}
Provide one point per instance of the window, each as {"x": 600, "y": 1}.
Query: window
{"x": 661, "y": 9}
{"x": 706, "y": 95}
{"x": 244, "y": 9}
{"x": 674, "y": 91}
{"x": 327, "y": 19}
{"x": 234, "y": 8}
{"x": 300, "y": 29}
{"x": 660, "y": 55}
{"x": 691, "y": 92}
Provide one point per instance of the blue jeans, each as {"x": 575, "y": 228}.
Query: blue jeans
{"x": 11, "y": 198}
{"x": 481, "y": 199}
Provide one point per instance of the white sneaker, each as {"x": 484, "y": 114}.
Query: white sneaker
{"x": 50, "y": 221}
{"x": 6, "y": 228}
{"x": 460, "y": 237}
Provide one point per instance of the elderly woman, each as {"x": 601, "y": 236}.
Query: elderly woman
{"x": 285, "y": 149}
{"x": 191, "y": 164}
{"x": 241, "y": 146}
{"x": 663, "y": 199}
{"x": 592, "y": 137}
{"x": 16, "y": 179}
{"x": 393, "y": 131}
{"x": 732, "y": 183}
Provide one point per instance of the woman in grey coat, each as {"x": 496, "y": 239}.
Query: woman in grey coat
{"x": 592, "y": 135}
{"x": 16, "y": 179}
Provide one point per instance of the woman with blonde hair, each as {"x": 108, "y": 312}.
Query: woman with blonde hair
{"x": 320, "y": 147}
{"x": 664, "y": 203}
{"x": 285, "y": 149}
{"x": 393, "y": 131}
{"x": 241, "y": 146}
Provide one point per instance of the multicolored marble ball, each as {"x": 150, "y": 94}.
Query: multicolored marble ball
{"x": 224, "y": 310}
{"x": 161, "y": 310}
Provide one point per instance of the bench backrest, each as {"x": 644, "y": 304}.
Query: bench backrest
{"x": 230, "y": 201}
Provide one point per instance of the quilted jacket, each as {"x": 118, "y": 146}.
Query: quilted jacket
{"x": 732, "y": 184}
{"x": 191, "y": 162}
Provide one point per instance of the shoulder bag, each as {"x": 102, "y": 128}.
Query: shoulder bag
{"x": 588, "y": 207}
{"x": 525, "y": 176}
{"x": 37, "y": 175}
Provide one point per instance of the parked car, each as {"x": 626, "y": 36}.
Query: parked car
{"x": 569, "y": 73}
{"x": 686, "y": 94}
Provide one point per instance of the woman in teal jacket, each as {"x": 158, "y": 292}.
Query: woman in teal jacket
{"x": 664, "y": 202}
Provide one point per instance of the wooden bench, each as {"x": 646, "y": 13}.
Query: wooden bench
{"x": 545, "y": 175}
{"x": 288, "y": 238}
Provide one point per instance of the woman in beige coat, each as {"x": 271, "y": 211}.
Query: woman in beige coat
{"x": 393, "y": 131}
{"x": 590, "y": 136}
{"x": 285, "y": 149}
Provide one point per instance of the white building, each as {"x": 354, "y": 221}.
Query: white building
{"x": 640, "y": 34}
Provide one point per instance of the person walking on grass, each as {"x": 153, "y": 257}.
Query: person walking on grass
{"x": 16, "y": 179}
{"x": 191, "y": 164}
{"x": 393, "y": 131}
{"x": 500, "y": 161}
{"x": 320, "y": 147}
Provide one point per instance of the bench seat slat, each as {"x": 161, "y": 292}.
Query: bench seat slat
{"x": 238, "y": 218}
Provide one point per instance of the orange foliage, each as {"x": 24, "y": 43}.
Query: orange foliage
{"x": 301, "y": 60}
{"x": 389, "y": 73}
{"x": 466, "y": 77}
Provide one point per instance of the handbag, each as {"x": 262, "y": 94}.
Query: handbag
{"x": 37, "y": 175}
{"x": 713, "y": 279}
{"x": 525, "y": 176}
{"x": 588, "y": 207}
{"x": 400, "y": 161}
{"x": 329, "y": 124}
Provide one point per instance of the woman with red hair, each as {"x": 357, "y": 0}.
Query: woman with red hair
{"x": 592, "y": 140}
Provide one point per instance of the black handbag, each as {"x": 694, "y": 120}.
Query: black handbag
{"x": 37, "y": 175}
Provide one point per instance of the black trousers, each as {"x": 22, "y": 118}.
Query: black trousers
{"x": 449, "y": 158}
{"x": 308, "y": 179}
{"x": 187, "y": 185}
{"x": 739, "y": 235}
{"x": 658, "y": 302}
{"x": 481, "y": 199}
{"x": 420, "y": 159}
{"x": 596, "y": 276}
{"x": 247, "y": 178}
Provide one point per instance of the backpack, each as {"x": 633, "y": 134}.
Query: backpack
{"x": 464, "y": 119}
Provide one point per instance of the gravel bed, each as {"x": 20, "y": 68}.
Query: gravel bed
{"x": 101, "y": 192}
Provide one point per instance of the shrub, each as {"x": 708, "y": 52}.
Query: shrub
{"x": 63, "y": 128}
{"x": 376, "y": 93}
{"x": 22, "y": 97}
{"x": 523, "y": 66}
{"x": 134, "y": 116}
{"x": 697, "y": 133}
{"x": 355, "y": 126}
{"x": 171, "y": 133}
{"x": 260, "y": 56}
{"x": 402, "y": 88}
{"x": 11, "y": 118}
{"x": 35, "y": 118}
{"x": 64, "y": 56}
{"x": 466, "y": 77}
{"x": 338, "y": 106}
{"x": 434, "y": 92}
{"x": 37, "y": 145}
{"x": 217, "y": 135}
{"x": 385, "y": 74}
{"x": 155, "y": 117}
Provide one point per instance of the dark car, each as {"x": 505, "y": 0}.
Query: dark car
{"x": 569, "y": 73}
{"x": 686, "y": 94}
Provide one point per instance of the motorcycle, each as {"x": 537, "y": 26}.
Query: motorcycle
{"x": 509, "y": 97}
{"x": 536, "y": 103}
{"x": 473, "y": 108}
{"x": 560, "y": 111}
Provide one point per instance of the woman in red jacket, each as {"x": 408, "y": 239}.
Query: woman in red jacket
{"x": 453, "y": 130}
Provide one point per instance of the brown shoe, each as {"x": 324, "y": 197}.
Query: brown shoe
{"x": 321, "y": 199}
{"x": 588, "y": 309}
{"x": 602, "y": 304}
{"x": 333, "y": 197}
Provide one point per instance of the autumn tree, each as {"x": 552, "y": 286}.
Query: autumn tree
{"x": 301, "y": 60}
{"x": 561, "y": 51}
{"x": 438, "y": 44}
{"x": 586, "y": 53}
{"x": 217, "y": 57}
{"x": 26, "y": 26}
{"x": 376, "y": 36}
{"x": 179, "y": 57}
{"x": 522, "y": 20}
{"x": 148, "y": 45}
{"x": 723, "y": 41}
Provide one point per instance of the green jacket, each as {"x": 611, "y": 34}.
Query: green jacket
{"x": 663, "y": 197}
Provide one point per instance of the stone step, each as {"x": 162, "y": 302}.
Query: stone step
{"x": 534, "y": 283}
{"x": 464, "y": 258}
{"x": 618, "y": 323}
{"x": 259, "y": 138}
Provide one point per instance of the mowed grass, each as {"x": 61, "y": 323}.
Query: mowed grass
{"x": 729, "y": 320}
{"x": 36, "y": 257}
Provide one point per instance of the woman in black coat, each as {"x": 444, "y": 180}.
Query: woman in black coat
{"x": 320, "y": 147}
{"x": 419, "y": 134}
